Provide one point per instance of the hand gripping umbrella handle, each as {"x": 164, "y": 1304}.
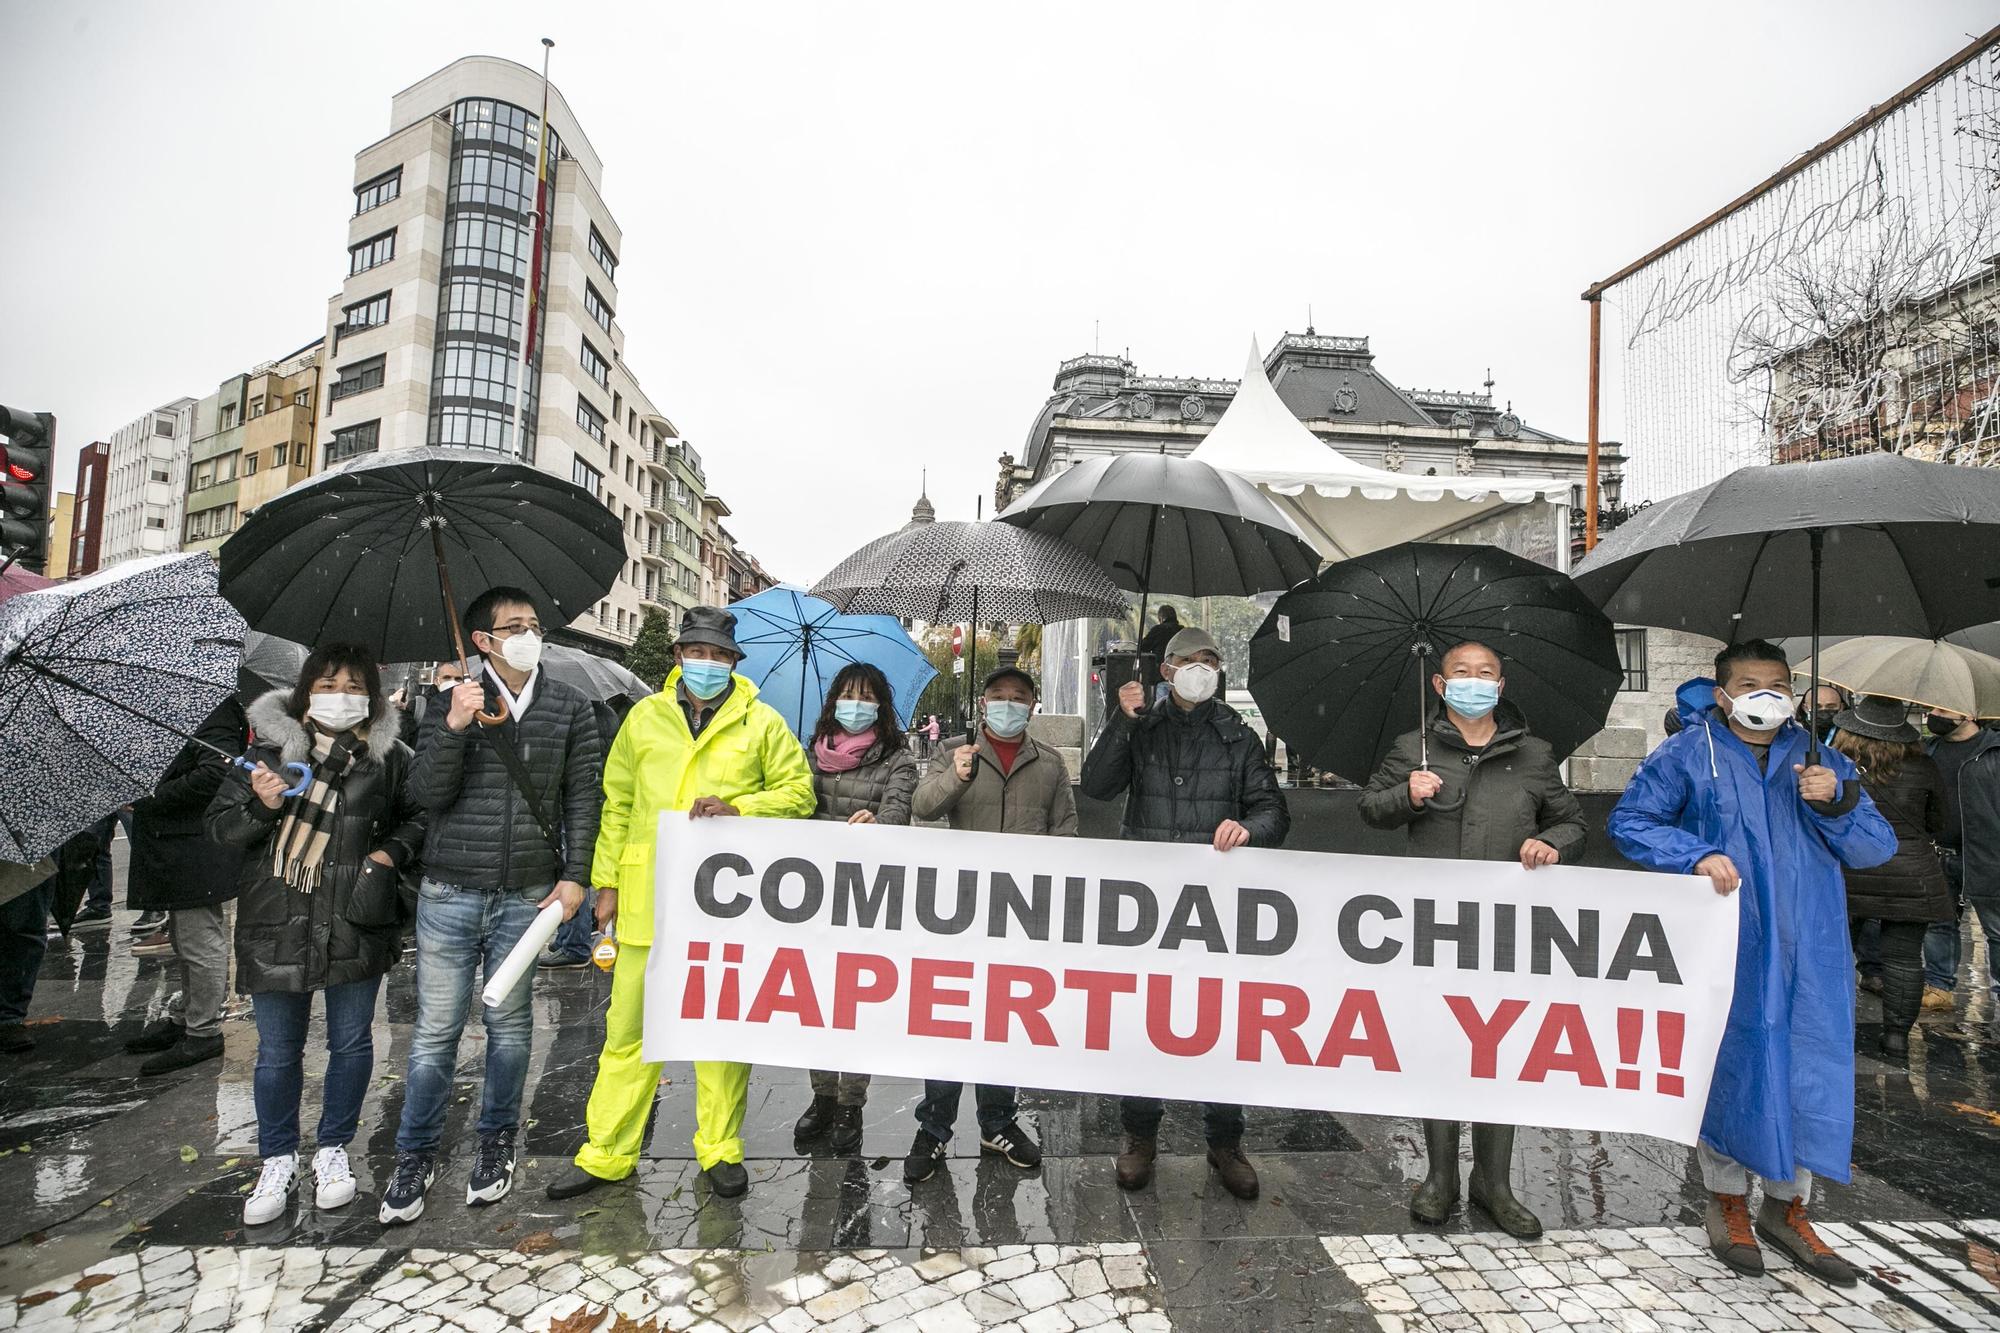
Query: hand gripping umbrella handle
{"x": 304, "y": 772}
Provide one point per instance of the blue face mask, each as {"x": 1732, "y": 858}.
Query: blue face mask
{"x": 1007, "y": 719}
{"x": 1468, "y": 696}
{"x": 705, "y": 680}
{"x": 854, "y": 716}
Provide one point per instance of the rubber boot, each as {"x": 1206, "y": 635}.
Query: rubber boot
{"x": 1491, "y": 1189}
{"x": 1438, "y": 1195}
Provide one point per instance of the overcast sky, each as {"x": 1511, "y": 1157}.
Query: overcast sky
{"x": 858, "y": 238}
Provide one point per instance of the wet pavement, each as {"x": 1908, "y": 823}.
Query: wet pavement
{"x": 123, "y": 1206}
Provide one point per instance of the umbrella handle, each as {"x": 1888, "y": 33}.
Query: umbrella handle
{"x": 304, "y": 772}
{"x": 435, "y": 522}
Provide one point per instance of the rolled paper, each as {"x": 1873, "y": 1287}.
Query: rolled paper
{"x": 518, "y": 963}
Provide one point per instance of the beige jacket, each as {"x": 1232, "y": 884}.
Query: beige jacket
{"x": 1035, "y": 798}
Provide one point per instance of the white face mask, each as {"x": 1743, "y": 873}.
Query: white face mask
{"x": 338, "y": 712}
{"x": 1760, "y": 710}
{"x": 522, "y": 651}
{"x": 1195, "y": 681}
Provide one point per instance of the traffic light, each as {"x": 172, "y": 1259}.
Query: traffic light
{"x": 26, "y": 459}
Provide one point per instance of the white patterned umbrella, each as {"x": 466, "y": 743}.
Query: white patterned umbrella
{"x": 102, "y": 681}
{"x": 946, "y": 573}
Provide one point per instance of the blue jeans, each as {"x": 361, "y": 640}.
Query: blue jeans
{"x": 993, "y": 1105}
{"x": 458, "y": 930}
{"x": 24, "y": 921}
{"x": 1221, "y": 1123}
{"x": 573, "y": 937}
{"x": 282, "y": 1018}
{"x": 99, "y": 893}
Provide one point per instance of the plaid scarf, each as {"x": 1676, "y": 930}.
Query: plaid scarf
{"x": 307, "y": 828}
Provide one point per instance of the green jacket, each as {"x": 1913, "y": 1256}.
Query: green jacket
{"x": 1512, "y": 791}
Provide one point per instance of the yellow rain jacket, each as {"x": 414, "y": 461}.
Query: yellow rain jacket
{"x": 746, "y": 755}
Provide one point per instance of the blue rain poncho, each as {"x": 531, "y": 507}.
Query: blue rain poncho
{"x": 1783, "y": 1095}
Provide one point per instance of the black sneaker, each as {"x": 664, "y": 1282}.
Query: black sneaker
{"x": 562, "y": 962}
{"x": 492, "y": 1170}
{"x": 1012, "y": 1142}
{"x": 403, "y": 1200}
{"x": 149, "y": 922}
{"x": 91, "y": 918}
{"x": 925, "y": 1154}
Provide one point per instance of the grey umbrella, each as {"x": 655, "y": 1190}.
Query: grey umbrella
{"x": 1879, "y": 544}
{"x": 598, "y": 678}
{"x": 1161, "y": 524}
{"x": 943, "y": 572}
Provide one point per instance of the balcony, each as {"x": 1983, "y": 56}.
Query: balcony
{"x": 655, "y": 501}
{"x": 654, "y": 552}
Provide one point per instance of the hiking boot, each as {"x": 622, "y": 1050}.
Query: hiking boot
{"x": 1434, "y": 1200}
{"x": 845, "y": 1136}
{"x": 159, "y": 944}
{"x": 1135, "y": 1164}
{"x": 572, "y": 1183}
{"x": 817, "y": 1119}
{"x": 158, "y": 1036}
{"x": 1938, "y": 1000}
{"x": 273, "y": 1195}
{"x": 1730, "y": 1235}
{"x": 922, "y": 1162}
{"x": 727, "y": 1179}
{"x": 1783, "y": 1223}
{"x": 403, "y": 1200}
{"x": 1491, "y": 1189}
{"x": 189, "y": 1051}
{"x": 492, "y": 1169}
{"x": 333, "y": 1178}
{"x": 1012, "y": 1142}
{"x": 1238, "y": 1176}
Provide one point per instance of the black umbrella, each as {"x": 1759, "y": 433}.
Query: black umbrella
{"x": 940, "y": 572}
{"x": 370, "y": 552}
{"x": 1343, "y": 664}
{"x": 1878, "y": 544}
{"x": 1162, "y": 524}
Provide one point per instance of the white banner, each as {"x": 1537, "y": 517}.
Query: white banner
{"x": 1460, "y": 990}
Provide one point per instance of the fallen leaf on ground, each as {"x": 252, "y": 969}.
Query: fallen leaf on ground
{"x": 231, "y": 1162}
{"x": 89, "y": 1280}
{"x": 540, "y": 1242}
{"x": 589, "y": 1212}
{"x": 581, "y": 1320}
{"x": 188, "y": 1154}
{"x": 39, "y": 1298}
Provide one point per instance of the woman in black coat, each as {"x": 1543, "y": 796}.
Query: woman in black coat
{"x": 1907, "y": 892}
{"x": 320, "y": 902}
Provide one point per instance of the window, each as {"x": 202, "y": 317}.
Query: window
{"x": 249, "y": 465}
{"x": 374, "y": 193}
{"x": 591, "y": 420}
{"x": 228, "y": 416}
{"x": 477, "y": 427}
{"x": 278, "y": 452}
{"x": 371, "y": 253}
{"x": 597, "y": 307}
{"x": 359, "y": 377}
{"x": 364, "y": 438}
{"x": 600, "y": 250}
{"x": 595, "y": 367}
{"x": 216, "y": 522}
{"x": 1632, "y": 656}
{"x": 225, "y": 469}
{"x": 160, "y": 474}
{"x": 365, "y": 314}
{"x": 257, "y": 407}
{"x": 617, "y": 406}
{"x": 480, "y": 241}
{"x": 586, "y": 476}
{"x": 303, "y": 398}
{"x": 202, "y": 477}
{"x": 163, "y": 426}
{"x": 155, "y": 521}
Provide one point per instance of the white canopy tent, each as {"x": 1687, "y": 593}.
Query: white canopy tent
{"x": 1345, "y": 508}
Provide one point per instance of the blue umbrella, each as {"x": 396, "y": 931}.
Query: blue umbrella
{"x": 794, "y": 644}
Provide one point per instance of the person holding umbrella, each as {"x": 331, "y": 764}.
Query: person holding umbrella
{"x": 708, "y": 745}
{"x": 320, "y": 905}
{"x": 1191, "y": 771}
{"x": 513, "y": 808}
{"x": 1499, "y": 796}
{"x": 1740, "y": 798}
{"x": 1908, "y": 891}
{"x": 862, "y": 774}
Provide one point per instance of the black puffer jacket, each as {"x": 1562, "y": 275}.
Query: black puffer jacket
{"x": 482, "y": 833}
{"x": 347, "y": 928}
{"x": 174, "y": 865}
{"x": 1184, "y": 773}
{"x": 1512, "y": 791}
{"x": 882, "y": 785}
{"x": 1910, "y": 885}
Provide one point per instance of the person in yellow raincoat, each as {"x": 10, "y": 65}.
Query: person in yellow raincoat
{"x": 704, "y": 744}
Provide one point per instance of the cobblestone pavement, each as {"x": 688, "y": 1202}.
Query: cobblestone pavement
{"x": 123, "y": 1206}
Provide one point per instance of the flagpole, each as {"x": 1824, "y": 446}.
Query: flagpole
{"x": 535, "y": 232}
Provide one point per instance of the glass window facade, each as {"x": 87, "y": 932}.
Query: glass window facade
{"x": 363, "y": 438}
{"x": 482, "y": 289}
{"x": 359, "y": 377}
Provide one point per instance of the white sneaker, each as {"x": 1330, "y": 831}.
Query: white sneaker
{"x": 335, "y": 1177}
{"x": 268, "y": 1201}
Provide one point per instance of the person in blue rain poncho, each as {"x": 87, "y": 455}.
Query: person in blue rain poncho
{"x": 1737, "y": 797}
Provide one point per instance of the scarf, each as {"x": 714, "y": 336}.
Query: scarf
{"x": 307, "y": 827}
{"x": 843, "y": 752}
